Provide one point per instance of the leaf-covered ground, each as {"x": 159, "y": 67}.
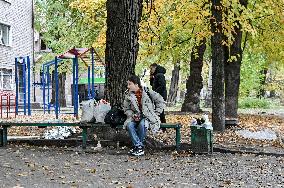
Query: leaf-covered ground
{"x": 42, "y": 167}
{"x": 246, "y": 121}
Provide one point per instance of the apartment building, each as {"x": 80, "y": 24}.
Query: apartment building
{"x": 16, "y": 37}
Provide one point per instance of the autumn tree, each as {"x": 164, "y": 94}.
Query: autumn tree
{"x": 170, "y": 35}
{"x": 62, "y": 28}
{"x": 123, "y": 17}
{"x": 50, "y": 19}
{"x": 171, "y": 99}
{"x": 194, "y": 82}
{"x": 218, "y": 98}
{"x": 233, "y": 58}
{"x": 265, "y": 46}
{"x": 249, "y": 26}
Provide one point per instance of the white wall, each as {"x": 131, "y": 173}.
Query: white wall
{"x": 18, "y": 15}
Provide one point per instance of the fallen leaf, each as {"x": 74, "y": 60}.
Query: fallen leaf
{"x": 93, "y": 170}
{"x": 23, "y": 174}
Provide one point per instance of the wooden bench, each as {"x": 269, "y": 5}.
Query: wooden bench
{"x": 84, "y": 127}
{"x": 6, "y": 125}
{"x": 176, "y": 126}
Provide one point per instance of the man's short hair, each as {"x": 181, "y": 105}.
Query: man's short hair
{"x": 135, "y": 79}
{"x": 154, "y": 65}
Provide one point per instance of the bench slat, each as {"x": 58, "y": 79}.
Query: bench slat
{"x": 168, "y": 125}
{"x": 40, "y": 124}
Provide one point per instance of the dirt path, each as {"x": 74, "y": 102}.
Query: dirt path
{"x": 29, "y": 166}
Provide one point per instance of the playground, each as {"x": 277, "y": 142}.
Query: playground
{"x": 19, "y": 118}
{"x": 49, "y": 83}
{"x": 88, "y": 157}
{"x": 74, "y": 111}
{"x": 16, "y": 107}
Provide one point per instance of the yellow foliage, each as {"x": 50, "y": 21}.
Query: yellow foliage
{"x": 170, "y": 28}
{"x": 94, "y": 14}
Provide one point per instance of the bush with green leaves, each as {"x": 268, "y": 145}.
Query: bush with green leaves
{"x": 254, "y": 103}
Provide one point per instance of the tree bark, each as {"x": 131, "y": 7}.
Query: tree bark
{"x": 174, "y": 85}
{"x": 263, "y": 75}
{"x": 194, "y": 82}
{"x": 61, "y": 89}
{"x": 208, "y": 95}
{"x": 232, "y": 83}
{"x": 232, "y": 71}
{"x": 62, "y": 98}
{"x": 123, "y": 17}
{"x": 218, "y": 98}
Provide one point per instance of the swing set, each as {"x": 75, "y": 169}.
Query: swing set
{"x": 22, "y": 98}
{"x": 74, "y": 54}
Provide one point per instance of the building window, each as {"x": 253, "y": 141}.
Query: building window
{"x": 4, "y": 34}
{"x": 42, "y": 45}
{"x": 6, "y": 80}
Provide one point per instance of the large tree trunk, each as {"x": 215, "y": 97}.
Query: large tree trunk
{"x": 194, "y": 82}
{"x": 123, "y": 17}
{"x": 232, "y": 83}
{"x": 174, "y": 85}
{"x": 232, "y": 71}
{"x": 218, "y": 98}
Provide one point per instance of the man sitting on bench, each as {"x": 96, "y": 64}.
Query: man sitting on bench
{"x": 142, "y": 113}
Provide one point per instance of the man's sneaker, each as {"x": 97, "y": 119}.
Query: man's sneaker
{"x": 138, "y": 151}
{"x": 163, "y": 129}
{"x": 132, "y": 149}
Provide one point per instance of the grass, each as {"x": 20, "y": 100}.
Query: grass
{"x": 254, "y": 103}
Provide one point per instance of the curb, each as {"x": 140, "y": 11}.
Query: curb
{"x": 247, "y": 151}
{"x": 184, "y": 146}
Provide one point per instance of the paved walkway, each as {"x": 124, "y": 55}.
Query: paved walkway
{"x": 32, "y": 166}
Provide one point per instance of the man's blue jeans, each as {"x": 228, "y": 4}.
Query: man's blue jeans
{"x": 137, "y": 132}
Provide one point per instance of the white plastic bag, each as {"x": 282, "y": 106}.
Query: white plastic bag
{"x": 88, "y": 111}
{"x": 59, "y": 132}
{"x": 202, "y": 122}
{"x": 207, "y": 124}
{"x": 100, "y": 111}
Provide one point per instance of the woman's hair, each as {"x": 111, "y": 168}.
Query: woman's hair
{"x": 135, "y": 79}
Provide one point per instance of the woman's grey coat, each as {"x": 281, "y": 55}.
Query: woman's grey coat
{"x": 150, "y": 110}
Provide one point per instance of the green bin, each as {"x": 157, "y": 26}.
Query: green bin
{"x": 201, "y": 140}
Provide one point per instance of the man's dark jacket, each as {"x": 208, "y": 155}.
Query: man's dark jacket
{"x": 158, "y": 81}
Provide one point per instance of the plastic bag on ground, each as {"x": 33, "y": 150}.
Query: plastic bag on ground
{"x": 59, "y": 132}
{"x": 265, "y": 134}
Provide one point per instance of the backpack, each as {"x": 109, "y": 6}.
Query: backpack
{"x": 115, "y": 117}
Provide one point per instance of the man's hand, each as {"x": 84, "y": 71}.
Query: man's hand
{"x": 136, "y": 117}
